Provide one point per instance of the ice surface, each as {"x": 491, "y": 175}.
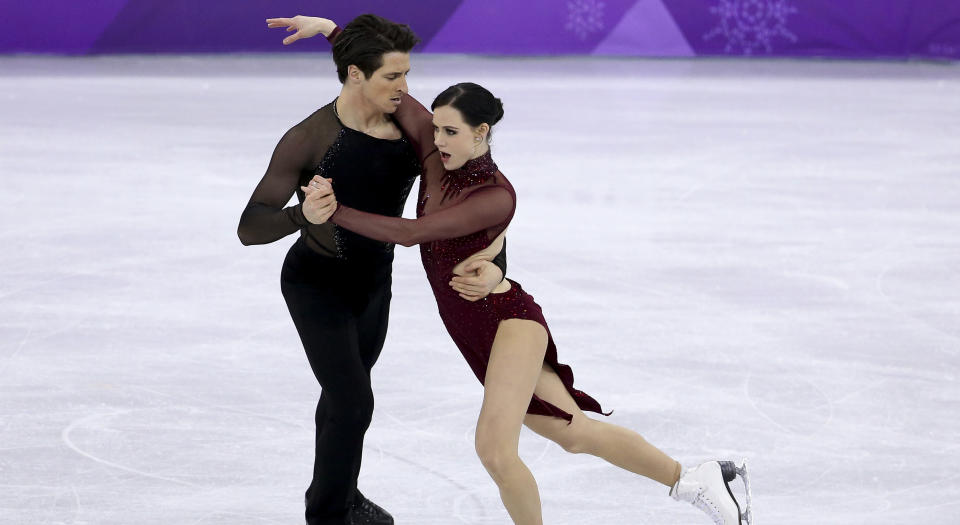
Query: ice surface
{"x": 754, "y": 259}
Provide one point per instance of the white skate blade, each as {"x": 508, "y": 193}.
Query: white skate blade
{"x": 747, "y": 513}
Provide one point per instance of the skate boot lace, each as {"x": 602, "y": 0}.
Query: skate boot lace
{"x": 698, "y": 498}
{"x": 711, "y": 497}
{"x": 704, "y": 503}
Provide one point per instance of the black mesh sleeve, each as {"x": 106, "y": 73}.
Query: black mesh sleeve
{"x": 265, "y": 219}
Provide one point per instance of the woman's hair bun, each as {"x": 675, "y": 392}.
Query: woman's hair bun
{"x": 474, "y": 102}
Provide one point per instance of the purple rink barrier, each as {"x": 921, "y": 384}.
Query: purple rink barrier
{"x": 662, "y": 28}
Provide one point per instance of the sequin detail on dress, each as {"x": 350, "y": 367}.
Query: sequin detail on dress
{"x": 473, "y": 325}
{"x": 477, "y": 203}
{"x": 473, "y": 172}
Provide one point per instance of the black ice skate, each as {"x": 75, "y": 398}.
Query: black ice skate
{"x": 366, "y": 512}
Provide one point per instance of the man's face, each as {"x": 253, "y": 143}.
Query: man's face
{"x": 385, "y": 86}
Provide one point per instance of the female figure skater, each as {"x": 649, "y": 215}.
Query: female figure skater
{"x": 465, "y": 204}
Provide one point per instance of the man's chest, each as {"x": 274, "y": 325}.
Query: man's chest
{"x": 368, "y": 173}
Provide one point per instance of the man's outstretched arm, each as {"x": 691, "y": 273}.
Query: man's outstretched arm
{"x": 483, "y": 276}
{"x": 305, "y": 27}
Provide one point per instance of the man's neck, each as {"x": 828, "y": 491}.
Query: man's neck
{"x": 356, "y": 112}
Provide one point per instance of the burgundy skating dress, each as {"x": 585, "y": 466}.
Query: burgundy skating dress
{"x": 460, "y": 213}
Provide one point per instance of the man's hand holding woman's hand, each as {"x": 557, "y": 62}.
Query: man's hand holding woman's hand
{"x": 320, "y": 202}
{"x": 480, "y": 280}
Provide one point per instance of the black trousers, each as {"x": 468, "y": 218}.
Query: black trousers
{"x": 340, "y": 311}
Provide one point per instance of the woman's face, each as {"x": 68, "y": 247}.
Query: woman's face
{"x": 457, "y": 141}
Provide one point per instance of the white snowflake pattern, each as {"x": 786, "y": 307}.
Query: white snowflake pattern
{"x": 584, "y": 17}
{"x": 751, "y": 25}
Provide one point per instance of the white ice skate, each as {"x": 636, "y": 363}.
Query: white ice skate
{"x": 706, "y": 487}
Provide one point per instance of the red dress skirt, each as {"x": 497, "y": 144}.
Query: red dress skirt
{"x": 459, "y": 213}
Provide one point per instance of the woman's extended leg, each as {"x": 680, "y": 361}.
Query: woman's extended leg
{"x": 512, "y": 372}
{"x": 619, "y": 446}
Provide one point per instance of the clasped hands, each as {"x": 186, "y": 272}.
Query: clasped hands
{"x": 319, "y": 202}
{"x": 481, "y": 276}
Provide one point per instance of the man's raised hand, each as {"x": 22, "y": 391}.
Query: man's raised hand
{"x": 305, "y": 27}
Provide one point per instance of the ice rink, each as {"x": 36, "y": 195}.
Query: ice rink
{"x": 740, "y": 258}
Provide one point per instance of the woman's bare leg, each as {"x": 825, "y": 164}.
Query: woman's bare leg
{"x": 515, "y": 365}
{"x": 619, "y": 446}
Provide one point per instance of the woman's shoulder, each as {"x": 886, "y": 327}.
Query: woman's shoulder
{"x": 501, "y": 180}
{"x": 497, "y": 184}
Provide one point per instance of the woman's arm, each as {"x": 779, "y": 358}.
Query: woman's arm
{"x": 414, "y": 120}
{"x": 485, "y": 207}
{"x": 417, "y": 124}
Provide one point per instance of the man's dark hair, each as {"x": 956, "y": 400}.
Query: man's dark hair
{"x": 366, "y": 39}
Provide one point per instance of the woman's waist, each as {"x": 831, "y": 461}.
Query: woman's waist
{"x": 457, "y": 250}
{"x": 463, "y": 316}
{"x": 450, "y": 261}
{"x": 447, "y": 297}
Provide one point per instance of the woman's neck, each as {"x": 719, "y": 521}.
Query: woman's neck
{"x": 481, "y": 151}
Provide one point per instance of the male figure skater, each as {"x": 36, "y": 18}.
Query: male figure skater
{"x": 336, "y": 283}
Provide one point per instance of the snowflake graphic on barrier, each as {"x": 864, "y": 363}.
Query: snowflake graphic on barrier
{"x": 584, "y": 17}
{"x": 749, "y": 25}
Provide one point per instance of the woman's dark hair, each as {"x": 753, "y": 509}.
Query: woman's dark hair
{"x": 474, "y": 102}
{"x": 366, "y": 39}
